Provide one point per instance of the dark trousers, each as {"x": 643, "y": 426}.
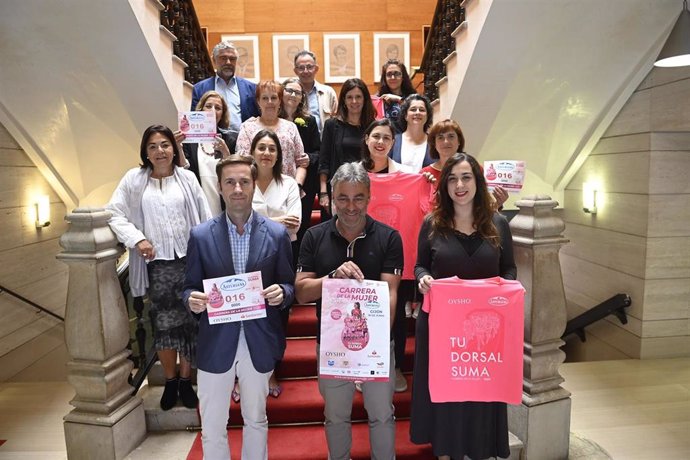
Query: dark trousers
{"x": 407, "y": 292}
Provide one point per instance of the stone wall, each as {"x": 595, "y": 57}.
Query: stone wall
{"x": 30, "y": 342}
{"x": 639, "y": 241}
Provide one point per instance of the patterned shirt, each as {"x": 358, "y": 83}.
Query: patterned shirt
{"x": 290, "y": 142}
{"x": 239, "y": 244}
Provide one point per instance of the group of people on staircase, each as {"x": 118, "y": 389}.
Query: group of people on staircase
{"x": 243, "y": 203}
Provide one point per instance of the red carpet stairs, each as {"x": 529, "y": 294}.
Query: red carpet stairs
{"x": 296, "y": 417}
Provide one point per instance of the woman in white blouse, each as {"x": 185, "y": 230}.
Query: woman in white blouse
{"x": 153, "y": 209}
{"x": 277, "y": 197}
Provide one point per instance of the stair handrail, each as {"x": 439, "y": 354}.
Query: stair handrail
{"x": 145, "y": 357}
{"x": 30, "y": 302}
{"x": 613, "y": 306}
{"x": 448, "y": 15}
{"x": 179, "y": 17}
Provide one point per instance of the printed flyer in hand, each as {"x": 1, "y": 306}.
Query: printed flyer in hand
{"x": 508, "y": 174}
{"x": 235, "y": 298}
{"x": 197, "y": 126}
{"x": 355, "y": 330}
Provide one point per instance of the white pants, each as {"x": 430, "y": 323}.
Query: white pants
{"x": 214, "y": 405}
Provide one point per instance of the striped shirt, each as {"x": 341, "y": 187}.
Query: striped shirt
{"x": 165, "y": 222}
{"x": 239, "y": 244}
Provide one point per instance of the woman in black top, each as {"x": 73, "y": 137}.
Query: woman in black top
{"x": 295, "y": 108}
{"x": 342, "y": 136}
{"x": 462, "y": 237}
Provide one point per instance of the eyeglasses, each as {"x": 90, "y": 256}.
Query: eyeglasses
{"x": 394, "y": 74}
{"x": 308, "y": 67}
{"x": 293, "y": 92}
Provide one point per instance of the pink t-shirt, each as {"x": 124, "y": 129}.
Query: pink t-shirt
{"x": 401, "y": 200}
{"x": 476, "y": 335}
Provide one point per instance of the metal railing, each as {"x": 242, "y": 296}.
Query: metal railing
{"x": 32, "y": 303}
{"x": 614, "y": 306}
{"x": 448, "y": 15}
{"x": 179, "y": 17}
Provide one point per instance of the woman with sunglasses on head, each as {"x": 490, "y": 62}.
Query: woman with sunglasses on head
{"x": 394, "y": 86}
{"x": 342, "y": 135}
{"x": 296, "y": 109}
{"x": 463, "y": 236}
{"x": 202, "y": 158}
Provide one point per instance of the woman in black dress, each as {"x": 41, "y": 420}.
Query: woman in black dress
{"x": 341, "y": 141}
{"x": 295, "y": 108}
{"x": 464, "y": 237}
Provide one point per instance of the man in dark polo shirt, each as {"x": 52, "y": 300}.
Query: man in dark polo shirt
{"x": 353, "y": 245}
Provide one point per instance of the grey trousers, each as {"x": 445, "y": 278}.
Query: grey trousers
{"x": 378, "y": 402}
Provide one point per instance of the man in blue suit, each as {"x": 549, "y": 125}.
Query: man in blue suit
{"x": 238, "y": 241}
{"x": 239, "y": 94}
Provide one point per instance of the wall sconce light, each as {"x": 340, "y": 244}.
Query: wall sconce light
{"x": 589, "y": 198}
{"x": 42, "y": 206}
{"x": 676, "y": 50}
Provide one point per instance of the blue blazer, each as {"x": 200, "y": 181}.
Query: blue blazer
{"x": 397, "y": 147}
{"x": 209, "y": 256}
{"x": 248, "y": 107}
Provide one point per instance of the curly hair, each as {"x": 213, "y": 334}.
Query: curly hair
{"x": 406, "y": 86}
{"x": 442, "y": 216}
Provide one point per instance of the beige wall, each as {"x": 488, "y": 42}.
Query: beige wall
{"x": 316, "y": 17}
{"x": 639, "y": 241}
{"x": 27, "y": 264}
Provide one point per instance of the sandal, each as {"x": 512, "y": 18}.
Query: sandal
{"x": 275, "y": 391}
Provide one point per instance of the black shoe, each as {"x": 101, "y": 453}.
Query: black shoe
{"x": 187, "y": 394}
{"x": 169, "y": 398}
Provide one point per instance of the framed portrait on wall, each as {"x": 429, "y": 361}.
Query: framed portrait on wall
{"x": 247, "y": 56}
{"x": 341, "y": 57}
{"x": 285, "y": 47}
{"x": 390, "y": 46}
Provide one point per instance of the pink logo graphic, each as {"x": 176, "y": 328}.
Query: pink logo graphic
{"x": 215, "y": 298}
{"x": 336, "y": 314}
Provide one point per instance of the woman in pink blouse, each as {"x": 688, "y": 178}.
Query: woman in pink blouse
{"x": 269, "y": 96}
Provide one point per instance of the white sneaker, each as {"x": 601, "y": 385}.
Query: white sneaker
{"x": 358, "y": 386}
{"x": 408, "y": 309}
{"x": 400, "y": 381}
{"x": 415, "y": 312}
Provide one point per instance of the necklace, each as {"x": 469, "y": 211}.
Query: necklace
{"x": 203, "y": 149}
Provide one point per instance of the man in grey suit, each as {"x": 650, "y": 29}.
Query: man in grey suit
{"x": 238, "y": 241}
